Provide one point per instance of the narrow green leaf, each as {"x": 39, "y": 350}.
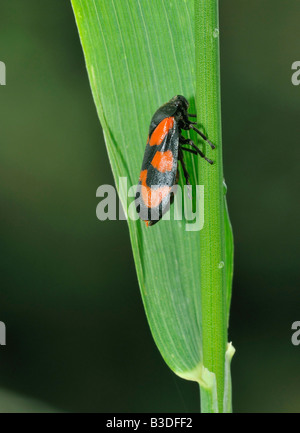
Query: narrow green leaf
{"x": 139, "y": 54}
{"x": 132, "y": 73}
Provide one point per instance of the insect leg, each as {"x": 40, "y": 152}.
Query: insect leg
{"x": 189, "y": 150}
{"x": 202, "y": 135}
{"x": 198, "y": 151}
{"x": 192, "y": 115}
{"x": 185, "y": 172}
{"x": 183, "y": 140}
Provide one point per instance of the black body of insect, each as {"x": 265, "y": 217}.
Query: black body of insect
{"x": 165, "y": 146}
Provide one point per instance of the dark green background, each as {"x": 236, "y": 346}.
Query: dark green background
{"x": 77, "y": 336}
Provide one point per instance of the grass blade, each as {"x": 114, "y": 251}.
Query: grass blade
{"x": 138, "y": 55}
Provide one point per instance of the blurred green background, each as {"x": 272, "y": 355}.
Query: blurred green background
{"x": 77, "y": 336}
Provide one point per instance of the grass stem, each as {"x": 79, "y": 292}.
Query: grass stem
{"x": 212, "y": 236}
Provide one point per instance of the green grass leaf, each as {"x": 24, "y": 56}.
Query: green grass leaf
{"x": 139, "y": 54}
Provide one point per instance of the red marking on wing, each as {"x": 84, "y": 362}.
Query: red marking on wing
{"x": 152, "y": 197}
{"x": 161, "y": 131}
{"x": 163, "y": 161}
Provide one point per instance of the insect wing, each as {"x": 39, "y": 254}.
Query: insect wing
{"x": 158, "y": 174}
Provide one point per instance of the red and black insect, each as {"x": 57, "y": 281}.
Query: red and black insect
{"x": 164, "y": 148}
